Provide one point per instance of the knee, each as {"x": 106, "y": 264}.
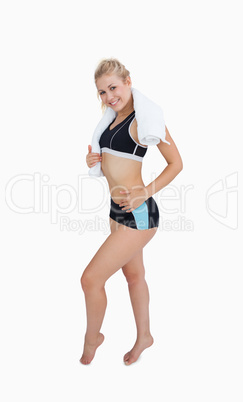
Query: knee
{"x": 134, "y": 278}
{"x": 89, "y": 281}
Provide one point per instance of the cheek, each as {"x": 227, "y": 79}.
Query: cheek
{"x": 116, "y": 93}
{"x": 119, "y": 94}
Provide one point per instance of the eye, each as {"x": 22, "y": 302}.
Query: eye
{"x": 112, "y": 88}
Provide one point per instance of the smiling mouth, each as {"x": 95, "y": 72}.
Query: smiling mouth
{"x": 114, "y": 103}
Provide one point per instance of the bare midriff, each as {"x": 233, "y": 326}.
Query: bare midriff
{"x": 121, "y": 174}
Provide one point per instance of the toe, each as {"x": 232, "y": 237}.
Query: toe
{"x": 84, "y": 360}
{"x": 130, "y": 361}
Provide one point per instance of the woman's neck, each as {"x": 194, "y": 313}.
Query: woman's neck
{"x": 128, "y": 109}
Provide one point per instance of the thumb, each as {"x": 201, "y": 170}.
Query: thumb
{"x": 89, "y": 148}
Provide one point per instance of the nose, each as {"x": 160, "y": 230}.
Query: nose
{"x": 109, "y": 98}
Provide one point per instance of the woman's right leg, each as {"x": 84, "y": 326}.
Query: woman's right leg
{"x": 119, "y": 247}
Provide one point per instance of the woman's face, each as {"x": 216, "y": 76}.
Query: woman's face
{"x": 113, "y": 91}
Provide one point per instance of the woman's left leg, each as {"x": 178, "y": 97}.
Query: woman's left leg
{"x": 139, "y": 294}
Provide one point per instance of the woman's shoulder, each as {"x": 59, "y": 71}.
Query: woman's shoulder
{"x": 134, "y": 131}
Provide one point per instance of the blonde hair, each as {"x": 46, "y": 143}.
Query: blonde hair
{"x": 110, "y": 66}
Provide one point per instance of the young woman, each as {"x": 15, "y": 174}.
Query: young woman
{"x": 134, "y": 215}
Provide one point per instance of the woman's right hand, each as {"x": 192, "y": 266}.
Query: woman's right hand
{"x": 92, "y": 157}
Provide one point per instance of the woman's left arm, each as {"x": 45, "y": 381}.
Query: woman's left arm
{"x": 175, "y": 165}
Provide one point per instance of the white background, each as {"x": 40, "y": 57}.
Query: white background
{"x": 186, "y": 56}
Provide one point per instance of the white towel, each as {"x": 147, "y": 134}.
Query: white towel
{"x": 150, "y": 125}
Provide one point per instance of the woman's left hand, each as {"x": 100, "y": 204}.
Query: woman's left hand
{"x": 133, "y": 198}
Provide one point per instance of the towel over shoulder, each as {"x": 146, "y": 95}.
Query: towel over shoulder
{"x": 150, "y": 125}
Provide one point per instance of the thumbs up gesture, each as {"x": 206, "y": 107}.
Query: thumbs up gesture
{"x": 92, "y": 157}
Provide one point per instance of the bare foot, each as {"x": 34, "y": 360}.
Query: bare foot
{"x": 133, "y": 355}
{"x": 90, "y": 349}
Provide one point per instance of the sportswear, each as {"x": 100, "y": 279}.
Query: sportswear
{"x": 119, "y": 142}
{"x": 146, "y": 216}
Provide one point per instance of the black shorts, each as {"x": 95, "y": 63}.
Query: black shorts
{"x": 146, "y": 216}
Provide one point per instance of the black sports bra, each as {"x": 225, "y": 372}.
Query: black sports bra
{"x": 118, "y": 141}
